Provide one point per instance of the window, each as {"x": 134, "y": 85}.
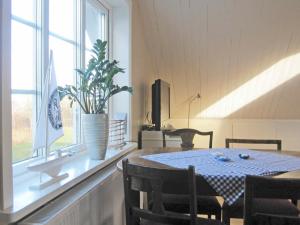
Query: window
{"x": 63, "y": 43}
{"x": 96, "y": 25}
{"x": 39, "y": 26}
{"x": 24, "y": 88}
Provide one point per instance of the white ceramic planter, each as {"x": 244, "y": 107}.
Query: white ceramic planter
{"x": 95, "y": 132}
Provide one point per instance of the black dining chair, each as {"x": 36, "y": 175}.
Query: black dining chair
{"x": 267, "y": 219}
{"x": 276, "y": 191}
{"x": 207, "y": 205}
{"x": 276, "y": 142}
{"x": 187, "y": 137}
{"x": 157, "y": 182}
{"x": 236, "y": 209}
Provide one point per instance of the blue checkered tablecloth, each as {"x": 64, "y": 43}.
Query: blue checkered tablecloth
{"x": 227, "y": 178}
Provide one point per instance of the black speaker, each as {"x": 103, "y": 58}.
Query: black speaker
{"x": 160, "y": 103}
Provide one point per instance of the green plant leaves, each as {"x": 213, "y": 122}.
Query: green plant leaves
{"x": 96, "y": 82}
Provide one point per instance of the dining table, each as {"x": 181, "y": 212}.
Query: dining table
{"x": 212, "y": 177}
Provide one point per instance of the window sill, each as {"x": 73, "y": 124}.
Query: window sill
{"x": 79, "y": 168}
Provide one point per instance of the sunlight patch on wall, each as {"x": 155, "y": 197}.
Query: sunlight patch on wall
{"x": 258, "y": 86}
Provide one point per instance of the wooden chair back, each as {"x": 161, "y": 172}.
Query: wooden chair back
{"x": 156, "y": 182}
{"x": 272, "y": 188}
{"x": 229, "y": 141}
{"x": 187, "y": 137}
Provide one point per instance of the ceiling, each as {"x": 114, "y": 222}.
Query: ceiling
{"x": 226, "y": 48}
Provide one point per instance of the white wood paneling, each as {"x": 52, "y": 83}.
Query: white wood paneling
{"x": 142, "y": 71}
{"x": 215, "y": 46}
{"x": 154, "y": 139}
{"x": 286, "y": 130}
{"x": 222, "y": 129}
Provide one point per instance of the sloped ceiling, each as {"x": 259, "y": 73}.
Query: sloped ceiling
{"x": 214, "y": 47}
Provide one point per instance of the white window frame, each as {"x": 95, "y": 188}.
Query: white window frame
{"x": 6, "y": 181}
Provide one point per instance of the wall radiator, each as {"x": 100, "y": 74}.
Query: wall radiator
{"x": 102, "y": 205}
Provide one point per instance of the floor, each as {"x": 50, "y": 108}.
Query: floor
{"x": 232, "y": 221}
{"x": 236, "y": 222}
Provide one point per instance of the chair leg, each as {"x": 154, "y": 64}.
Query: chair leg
{"x": 209, "y": 216}
{"x": 218, "y": 215}
{"x": 225, "y": 218}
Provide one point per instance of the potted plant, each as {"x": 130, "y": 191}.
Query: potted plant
{"x": 96, "y": 87}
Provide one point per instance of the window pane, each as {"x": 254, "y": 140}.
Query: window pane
{"x": 62, "y": 41}
{"x": 26, "y": 51}
{"x": 22, "y": 56}
{"x": 22, "y": 122}
{"x": 24, "y": 9}
{"x": 23, "y": 76}
{"x": 93, "y": 25}
{"x": 64, "y": 61}
{"x": 62, "y": 19}
{"x": 68, "y": 126}
{"x": 96, "y": 25}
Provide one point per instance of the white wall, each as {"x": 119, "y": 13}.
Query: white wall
{"x": 129, "y": 48}
{"x": 101, "y": 205}
{"x": 121, "y": 30}
{"x": 142, "y": 71}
